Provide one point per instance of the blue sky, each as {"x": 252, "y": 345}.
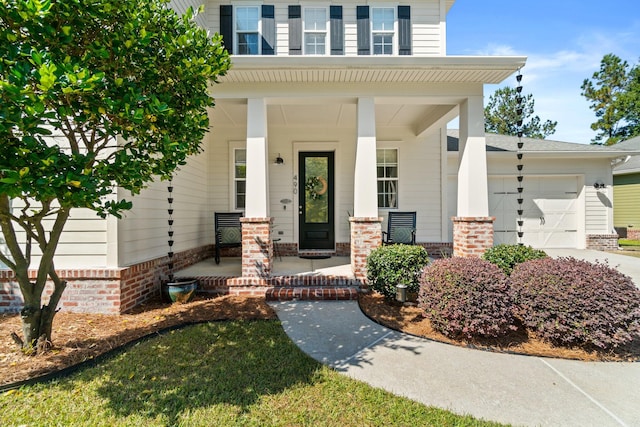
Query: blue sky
{"x": 564, "y": 41}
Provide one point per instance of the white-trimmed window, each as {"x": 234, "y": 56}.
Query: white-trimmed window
{"x": 387, "y": 171}
{"x": 239, "y": 178}
{"x": 315, "y": 26}
{"x": 383, "y": 30}
{"x": 247, "y": 28}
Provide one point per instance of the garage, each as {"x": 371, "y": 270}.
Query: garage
{"x": 550, "y": 210}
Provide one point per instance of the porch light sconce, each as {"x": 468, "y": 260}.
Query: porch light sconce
{"x": 279, "y": 160}
{"x": 599, "y": 185}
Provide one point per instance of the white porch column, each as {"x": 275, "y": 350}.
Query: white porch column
{"x": 257, "y": 246}
{"x": 257, "y": 196}
{"x": 473, "y": 195}
{"x": 366, "y": 234}
{"x": 365, "y": 192}
{"x": 472, "y": 227}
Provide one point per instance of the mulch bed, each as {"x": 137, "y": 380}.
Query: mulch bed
{"x": 81, "y": 337}
{"x": 408, "y": 318}
{"x": 78, "y": 337}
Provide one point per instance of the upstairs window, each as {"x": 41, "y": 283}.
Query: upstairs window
{"x": 247, "y": 30}
{"x": 315, "y": 31}
{"x": 383, "y": 30}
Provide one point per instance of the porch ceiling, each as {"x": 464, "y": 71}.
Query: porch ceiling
{"x": 415, "y": 116}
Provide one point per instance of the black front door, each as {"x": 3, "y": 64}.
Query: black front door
{"x": 316, "y": 200}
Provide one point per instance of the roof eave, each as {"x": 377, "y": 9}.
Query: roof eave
{"x": 476, "y": 69}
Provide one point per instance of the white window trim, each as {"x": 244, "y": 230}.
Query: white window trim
{"x": 327, "y": 31}
{"x": 233, "y": 146}
{"x": 389, "y": 146}
{"x": 235, "y": 27}
{"x": 394, "y": 33}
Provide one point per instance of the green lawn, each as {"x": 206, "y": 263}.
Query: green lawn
{"x": 629, "y": 247}
{"x": 222, "y": 374}
{"x": 626, "y": 242}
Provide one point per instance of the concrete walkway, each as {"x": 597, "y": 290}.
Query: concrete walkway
{"x": 520, "y": 390}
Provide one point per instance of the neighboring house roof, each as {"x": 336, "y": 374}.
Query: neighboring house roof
{"x": 542, "y": 147}
{"x": 631, "y": 164}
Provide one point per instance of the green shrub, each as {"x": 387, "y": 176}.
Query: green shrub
{"x": 508, "y": 256}
{"x": 466, "y": 297}
{"x": 573, "y": 302}
{"x": 392, "y": 265}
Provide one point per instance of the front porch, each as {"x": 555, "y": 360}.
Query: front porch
{"x": 292, "y": 278}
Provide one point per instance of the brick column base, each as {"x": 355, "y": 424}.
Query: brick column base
{"x": 633, "y": 233}
{"x": 472, "y": 236}
{"x": 366, "y": 235}
{"x": 257, "y": 247}
{"x": 602, "y": 242}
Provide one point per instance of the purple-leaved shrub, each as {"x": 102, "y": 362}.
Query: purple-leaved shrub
{"x": 466, "y": 297}
{"x": 573, "y": 302}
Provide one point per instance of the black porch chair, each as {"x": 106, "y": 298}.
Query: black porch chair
{"x": 228, "y": 231}
{"x": 401, "y": 228}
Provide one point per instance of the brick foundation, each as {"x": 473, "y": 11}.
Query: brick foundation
{"x": 602, "y": 242}
{"x": 257, "y": 248}
{"x": 633, "y": 233}
{"x": 438, "y": 249}
{"x": 104, "y": 290}
{"x": 366, "y": 235}
{"x": 472, "y": 236}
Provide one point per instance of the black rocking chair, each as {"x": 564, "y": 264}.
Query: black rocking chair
{"x": 401, "y": 228}
{"x": 228, "y": 231}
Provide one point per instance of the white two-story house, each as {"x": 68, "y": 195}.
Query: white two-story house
{"x": 333, "y": 115}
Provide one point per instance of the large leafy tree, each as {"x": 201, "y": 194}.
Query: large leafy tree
{"x": 94, "y": 95}
{"x": 502, "y": 114}
{"x": 614, "y": 94}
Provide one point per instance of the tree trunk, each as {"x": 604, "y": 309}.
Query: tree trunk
{"x": 37, "y": 321}
{"x": 30, "y": 315}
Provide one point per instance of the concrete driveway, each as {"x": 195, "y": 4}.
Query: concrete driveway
{"x": 625, "y": 264}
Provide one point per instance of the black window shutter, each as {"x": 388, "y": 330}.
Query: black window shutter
{"x": 295, "y": 30}
{"x": 404, "y": 30}
{"x": 337, "y": 30}
{"x": 268, "y": 30}
{"x": 226, "y": 26}
{"x": 364, "y": 30}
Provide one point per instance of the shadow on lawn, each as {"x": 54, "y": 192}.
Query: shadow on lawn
{"x": 229, "y": 363}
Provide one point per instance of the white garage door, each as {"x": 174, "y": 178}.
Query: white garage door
{"x": 549, "y": 211}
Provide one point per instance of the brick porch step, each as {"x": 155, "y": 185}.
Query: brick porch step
{"x": 312, "y": 293}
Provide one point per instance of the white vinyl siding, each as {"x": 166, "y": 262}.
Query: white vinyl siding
{"x": 142, "y": 232}
{"x": 428, "y": 31}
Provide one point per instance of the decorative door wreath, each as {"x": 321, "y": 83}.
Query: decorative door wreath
{"x": 315, "y": 187}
